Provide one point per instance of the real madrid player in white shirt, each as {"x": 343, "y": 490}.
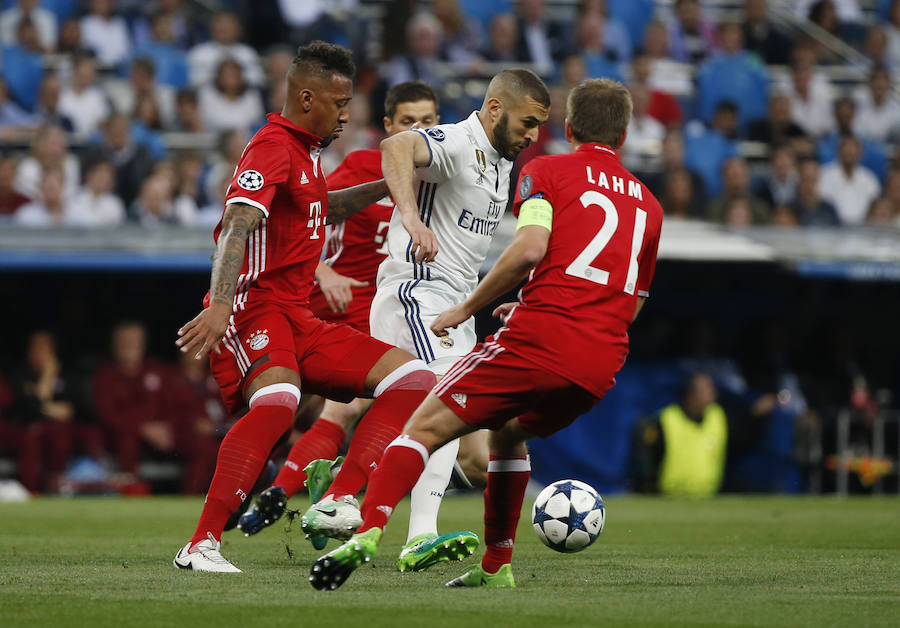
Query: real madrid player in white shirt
{"x": 450, "y": 186}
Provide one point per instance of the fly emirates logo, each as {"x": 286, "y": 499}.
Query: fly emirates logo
{"x": 618, "y": 183}
{"x": 481, "y": 225}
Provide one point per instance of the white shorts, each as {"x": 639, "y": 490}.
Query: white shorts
{"x": 402, "y": 313}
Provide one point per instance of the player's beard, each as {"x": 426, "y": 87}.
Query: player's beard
{"x": 502, "y": 142}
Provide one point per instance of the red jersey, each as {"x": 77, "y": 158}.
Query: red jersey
{"x": 357, "y": 246}
{"x": 279, "y": 173}
{"x": 579, "y": 301}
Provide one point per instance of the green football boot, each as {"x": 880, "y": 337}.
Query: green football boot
{"x": 477, "y": 577}
{"x": 332, "y": 570}
{"x": 319, "y": 476}
{"x": 425, "y": 550}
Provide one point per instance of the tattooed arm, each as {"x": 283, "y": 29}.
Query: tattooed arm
{"x": 204, "y": 332}
{"x": 344, "y": 203}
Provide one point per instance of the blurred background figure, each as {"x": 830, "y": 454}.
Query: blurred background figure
{"x": 848, "y": 185}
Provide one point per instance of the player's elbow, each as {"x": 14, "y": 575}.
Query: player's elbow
{"x": 532, "y": 253}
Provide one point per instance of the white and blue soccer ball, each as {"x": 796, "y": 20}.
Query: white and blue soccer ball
{"x": 568, "y": 515}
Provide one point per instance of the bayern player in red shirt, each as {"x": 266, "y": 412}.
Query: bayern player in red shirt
{"x": 343, "y": 294}
{"x": 587, "y": 238}
{"x": 268, "y": 245}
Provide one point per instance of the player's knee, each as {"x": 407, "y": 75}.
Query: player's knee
{"x": 412, "y": 375}
{"x": 284, "y": 395}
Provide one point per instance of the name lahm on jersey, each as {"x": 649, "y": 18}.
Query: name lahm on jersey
{"x": 618, "y": 184}
{"x": 481, "y": 226}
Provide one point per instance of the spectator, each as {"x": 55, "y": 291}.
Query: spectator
{"x": 184, "y": 28}
{"x": 679, "y": 197}
{"x": 542, "y": 41}
{"x": 50, "y": 409}
{"x": 707, "y": 150}
{"x": 502, "y": 39}
{"x": 50, "y": 208}
{"x": 142, "y": 86}
{"x": 133, "y": 162}
{"x": 733, "y": 75}
{"x": 589, "y": 38}
{"x": 70, "y": 41}
{"x": 105, "y": 34}
{"x": 682, "y": 450}
{"x": 823, "y": 14}
{"x": 230, "y": 102}
{"x": 147, "y": 126}
{"x": 691, "y": 38}
{"x": 892, "y": 30}
{"x": 892, "y": 189}
{"x": 460, "y": 35}
{"x": 881, "y": 213}
{"x": 778, "y": 186}
{"x": 874, "y": 156}
{"x": 666, "y": 74}
{"x": 12, "y": 116}
{"x": 419, "y": 62}
{"x": 188, "y": 173}
{"x": 95, "y": 205}
{"x": 171, "y": 61}
{"x": 784, "y": 217}
{"x": 808, "y": 206}
{"x": 157, "y": 204}
{"x": 761, "y": 37}
{"x": 205, "y": 59}
{"x": 230, "y": 146}
{"x": 736, "y": 185}
{"x": 10, "y": 198}
{"x": 47, "y": 110}
{"x": 673, "y": 158}
{"x": 645, "y": 134}
{"x": 737, "y": 213}
{"x": 810, "y": 94}
{"x": 84, "y": 102}
{"x": 662, "y": 106}
{"x": 133, "y": 401}
{"x": 878, "y": 112}
{"x": 875, "y": 47}
{"x": 330, "y": 20}
{"x": 201, "y": 420}
{"x": 617, "y": 41}
{"x": 187, "y": 113}
{"x": 23, "y": 65}
{"x": 849, "y": 186}
{"x": 28, "y": 11}
{"x": 49, "y": 151}
{"x": 778, "y": 127}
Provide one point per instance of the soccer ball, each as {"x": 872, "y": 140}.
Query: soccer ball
{"x": 568, "y": 516}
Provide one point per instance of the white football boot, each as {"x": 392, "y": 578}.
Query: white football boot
{"x": 336, "y": 519}
{"x": 205, "y": 557}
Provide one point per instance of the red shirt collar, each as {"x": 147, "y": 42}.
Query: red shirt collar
{"x": 310, "y": 139}
{"x": 602, "y": 148}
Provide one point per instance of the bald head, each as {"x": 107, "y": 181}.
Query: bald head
{"x": 513, "y": 87}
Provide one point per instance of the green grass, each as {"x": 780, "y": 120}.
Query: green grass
{"x": 749, "y": 561}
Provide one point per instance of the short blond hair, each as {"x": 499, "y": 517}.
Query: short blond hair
{"x": 599, "y": 110}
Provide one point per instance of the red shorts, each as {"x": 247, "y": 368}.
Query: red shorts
{"x": 332, "y": 360}
{"x": 492, "y": 385}
{"x": 356, "y": 315}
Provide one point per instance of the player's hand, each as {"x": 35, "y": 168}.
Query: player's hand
{"x": 205, "y": 331}
{"x": 338, "y": 289}
{"x": 503, "y": 311}
{"x": 450, "y": 318}
{"x": 424, "y": 242}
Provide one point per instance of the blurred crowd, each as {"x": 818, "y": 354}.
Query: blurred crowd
{"x": 120, "y": 111}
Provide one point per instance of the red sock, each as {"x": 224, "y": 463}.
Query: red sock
{"x": 395, "y": 477}
{"x": 322, "y": 440}
{"x": 382, "y": 424}
{"x": 242, "y": 455}
{"x": 507, "y": 479}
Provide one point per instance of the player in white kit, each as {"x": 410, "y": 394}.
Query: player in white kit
{"x": 450, "y": 186}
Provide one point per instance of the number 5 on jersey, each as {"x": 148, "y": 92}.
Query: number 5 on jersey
{"x": 581, "y": 265}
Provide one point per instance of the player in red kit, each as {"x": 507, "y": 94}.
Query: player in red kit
{"x": 266, "y": 344}
{"x": 343, "y": 294}
{"x": 587, "y": 238}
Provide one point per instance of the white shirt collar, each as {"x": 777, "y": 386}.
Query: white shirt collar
{"x": 481, "y": 138}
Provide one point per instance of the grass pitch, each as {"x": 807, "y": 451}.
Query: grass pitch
{"x": 737, "y": 561}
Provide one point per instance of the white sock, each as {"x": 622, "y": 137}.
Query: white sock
{"x": 426, "y": 496}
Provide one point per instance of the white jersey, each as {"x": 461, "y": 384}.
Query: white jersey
{"x": 462, "y": 194}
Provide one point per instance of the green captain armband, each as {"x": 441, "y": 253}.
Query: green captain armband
{"x": 537, "y": 212}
